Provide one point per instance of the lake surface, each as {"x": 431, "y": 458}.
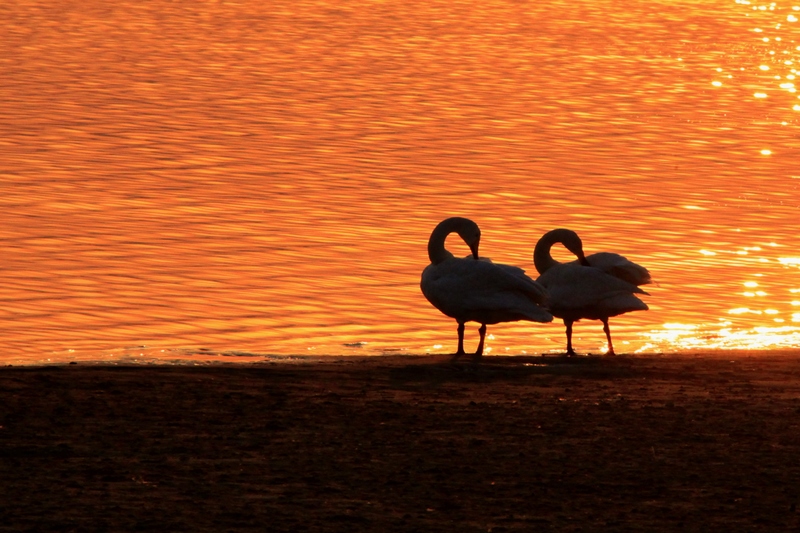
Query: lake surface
{"x": 261, "y": 178}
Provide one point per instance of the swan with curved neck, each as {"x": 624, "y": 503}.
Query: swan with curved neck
{"x": 477, "y": 290}
{"x": 594, "y": 287}
{"x": 469, "y": 232}
{"x": 542, "y": 259}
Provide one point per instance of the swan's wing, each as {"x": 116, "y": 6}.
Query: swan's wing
{"x": 500, "y": 277}
{"x": 457, "y": 286}
{"x": 620, "y": 267}
{"x": 573, "y": 286}
{"x": 499, "y": 293}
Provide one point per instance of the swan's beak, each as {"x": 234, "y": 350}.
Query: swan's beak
{"x": 474, "y": 249}
{"x": 583, "y": 261}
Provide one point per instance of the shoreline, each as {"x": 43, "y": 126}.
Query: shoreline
{"x": 405, "y": 443}
{"x": 245, "y": 359}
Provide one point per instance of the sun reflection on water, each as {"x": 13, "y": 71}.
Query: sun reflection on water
{"x": 697, "y": 338}
{"x": 744, "y": 327}
{"x": 258, "y": 179}
{"x": 777, "y": 47}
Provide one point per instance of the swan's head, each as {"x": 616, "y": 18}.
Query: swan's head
{"x": 571, "y": 242}
{"x": 471, "y": 233}
{"x": 466, "y": 229}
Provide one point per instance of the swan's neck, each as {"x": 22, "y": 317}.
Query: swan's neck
{"x": 436, "y": 250}
{"x": 542, "y": 258}
{"x": 466, "y": 228}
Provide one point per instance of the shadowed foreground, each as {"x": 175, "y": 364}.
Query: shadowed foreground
{"x": 405, "y": 444}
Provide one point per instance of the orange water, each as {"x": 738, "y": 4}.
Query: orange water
{"x": 262, "y": 177}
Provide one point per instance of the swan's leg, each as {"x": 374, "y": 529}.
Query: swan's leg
{"x": 568, "y": 323}
{"x": 482, "y": 331}
{"x": 608, "y": 336}
{"x": 460, "y": 350}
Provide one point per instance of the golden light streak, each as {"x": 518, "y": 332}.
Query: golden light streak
{"x": 725, "y": 338}
{"x": 743, "y": 310}
{"x": 353, "y": 118}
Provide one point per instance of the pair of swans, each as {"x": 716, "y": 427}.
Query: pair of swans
{"x": 474, "y": 289}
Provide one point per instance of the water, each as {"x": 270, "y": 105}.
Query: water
{"x": 250, "y": 178}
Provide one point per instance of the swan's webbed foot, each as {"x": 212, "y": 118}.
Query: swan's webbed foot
{"x": 457, "y": 355}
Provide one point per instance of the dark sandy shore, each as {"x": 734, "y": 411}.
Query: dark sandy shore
{"x": 674, "y": 443}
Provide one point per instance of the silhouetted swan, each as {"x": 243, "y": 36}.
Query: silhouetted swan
{"x": 473, "y": 289}
{"x": 596, "y": 287}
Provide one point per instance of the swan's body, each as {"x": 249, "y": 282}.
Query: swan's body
{"x": 473, "y": 289}
{"x": 596, "y": 287}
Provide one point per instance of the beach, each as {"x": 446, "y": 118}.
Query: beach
{"x": 691, "y": 442}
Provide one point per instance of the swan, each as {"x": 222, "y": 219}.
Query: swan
{"x": 476, "y": 289}
{"x": 594, "y": 287}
